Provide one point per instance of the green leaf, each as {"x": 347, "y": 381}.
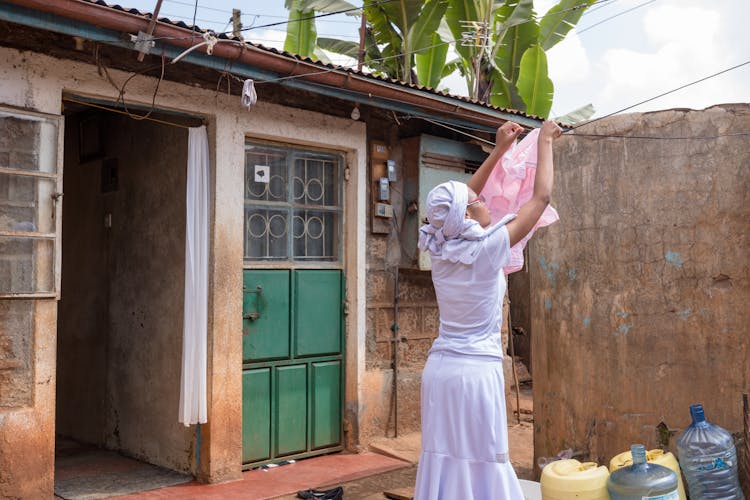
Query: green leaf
{"x": 421, "y": 33}
{"x": 329, "y": 6}
{"x": 343, "y": 47}
{"x": 534, "y": 86}
{"x": 462, "y": 10}
{"x": 451, "y": 66}
{"x": 402, "y": 13}
{"x": 380, "y": 27}
{"x": 300, "y": 35}
{"x": 501, "y": 93}
{"x": 505, "y": 93}
{"x": 431, "y": 62}
{"x": 517, "y": 31}
{"x": 578, "y": 115}
{"x": 559, "y": 20}
{"x": 444, "y": 31}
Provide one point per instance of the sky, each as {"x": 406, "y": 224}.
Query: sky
{"x": 642, "y": 48}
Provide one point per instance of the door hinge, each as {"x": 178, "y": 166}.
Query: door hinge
{"x": 347, "y": 174}
{"x": 346, "y": 307}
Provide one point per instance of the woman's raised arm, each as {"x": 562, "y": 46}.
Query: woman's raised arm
{"x": 532, "y": 210}
{"x": 504, "y": 137}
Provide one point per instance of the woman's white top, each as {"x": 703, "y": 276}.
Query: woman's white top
{"x": 470, "y": 297}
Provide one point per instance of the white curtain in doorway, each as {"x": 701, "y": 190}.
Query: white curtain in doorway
{"x": 194, "y": 343}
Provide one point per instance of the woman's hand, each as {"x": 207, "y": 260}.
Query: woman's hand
{"x": 550, "y": 130}
{"x": 506, "y": 135}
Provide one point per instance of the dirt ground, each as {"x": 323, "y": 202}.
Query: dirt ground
{"x": 520, "y": 438}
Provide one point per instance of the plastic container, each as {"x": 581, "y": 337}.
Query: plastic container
{"x": 531, "y": 490}
{"x": 642, "y": 480}
{"x": 659, "y": 457}
{"x": 571, "y": 479}
{"x": 708, "y": 459}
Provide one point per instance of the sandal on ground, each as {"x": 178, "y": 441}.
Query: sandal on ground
{"x": 336, "y": 493}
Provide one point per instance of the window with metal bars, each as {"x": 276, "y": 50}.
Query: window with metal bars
{"x": 293, "y": 204}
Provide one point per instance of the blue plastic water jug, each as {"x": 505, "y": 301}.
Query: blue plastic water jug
{"x": 708, "y": 459}
{"x": 642, "y": 480}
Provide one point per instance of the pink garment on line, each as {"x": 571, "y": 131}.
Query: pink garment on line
{"x": 510, "y": 185}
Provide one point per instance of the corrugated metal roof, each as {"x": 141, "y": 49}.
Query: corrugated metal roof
{"x": 421, "y": 88}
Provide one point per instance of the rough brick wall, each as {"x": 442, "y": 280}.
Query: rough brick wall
{"x": 639, "y": 294}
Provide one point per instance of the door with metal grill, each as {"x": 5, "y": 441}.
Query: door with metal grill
{"x": 293, "y": 293}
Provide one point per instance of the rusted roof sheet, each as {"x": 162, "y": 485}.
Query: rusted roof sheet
{"x": 422, "y": 88}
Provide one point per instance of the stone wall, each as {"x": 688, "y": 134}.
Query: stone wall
{"x": 639, "y": 294}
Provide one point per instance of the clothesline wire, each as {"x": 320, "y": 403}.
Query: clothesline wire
{"x": 620, "y": 136}
{"x": 663, "y": 94}
{"x": 695, "y": 137}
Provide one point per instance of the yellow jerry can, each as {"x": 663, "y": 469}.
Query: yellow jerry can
{"x": 571, "y": 479}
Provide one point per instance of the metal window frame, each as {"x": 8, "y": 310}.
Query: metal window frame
{"x": 56, "y": 176}
{"x": 290, "y": 262}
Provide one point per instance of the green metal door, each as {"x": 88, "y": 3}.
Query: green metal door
{"x": 293, "y": 298}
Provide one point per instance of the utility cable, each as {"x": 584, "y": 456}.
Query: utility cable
{"x": 318, "y": 16}
{"x": 119, "y": 112}
{"x": 351, "y": 66}
{"x": 588, "y": 11}
{"x": 664, "y": 93}
{"x": 225, "y": 11}
{"x": 612, "y": 17}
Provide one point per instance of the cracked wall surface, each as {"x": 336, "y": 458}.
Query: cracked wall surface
{"x": 639, "y": 294}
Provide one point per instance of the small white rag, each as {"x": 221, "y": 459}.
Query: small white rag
{"x": 249, "y": 97}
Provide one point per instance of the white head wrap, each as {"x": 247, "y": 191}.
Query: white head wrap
{"x": 449, "y": 234}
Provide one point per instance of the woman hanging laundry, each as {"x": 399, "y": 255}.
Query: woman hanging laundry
{"x": 464, "y": 430}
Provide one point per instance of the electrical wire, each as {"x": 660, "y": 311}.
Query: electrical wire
{"x": 687, "y": 138}
{"x": 589, "y": 11}
{"x": 318, "y": 16}
{"x": 459, "y": 114}
{"x": 225, "y": 11}
{"x": 120, "y": 112}
{"x": 351, "y": 66}
{"x": 458, "y": 131}
{"x": 612, "y": 17}
{"x": 663, "y": 94}
{"x": 102, "y": 68}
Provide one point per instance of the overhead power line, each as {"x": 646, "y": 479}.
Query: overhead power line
{"x": 614, "y": 16}
{"x": 666, "y": 93}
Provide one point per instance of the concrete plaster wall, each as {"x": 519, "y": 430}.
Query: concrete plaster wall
{"x": 37, "y": 82}
{"x": 640, "y": 292}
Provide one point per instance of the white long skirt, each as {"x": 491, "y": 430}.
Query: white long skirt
{"x": 464, "y": 431}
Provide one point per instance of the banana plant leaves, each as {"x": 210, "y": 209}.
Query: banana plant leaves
{"x": 534, "y": 86}
{"x": 300, "y": 32}
{"x": 559, "y": 20}
{"x": 431, "y": 62}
